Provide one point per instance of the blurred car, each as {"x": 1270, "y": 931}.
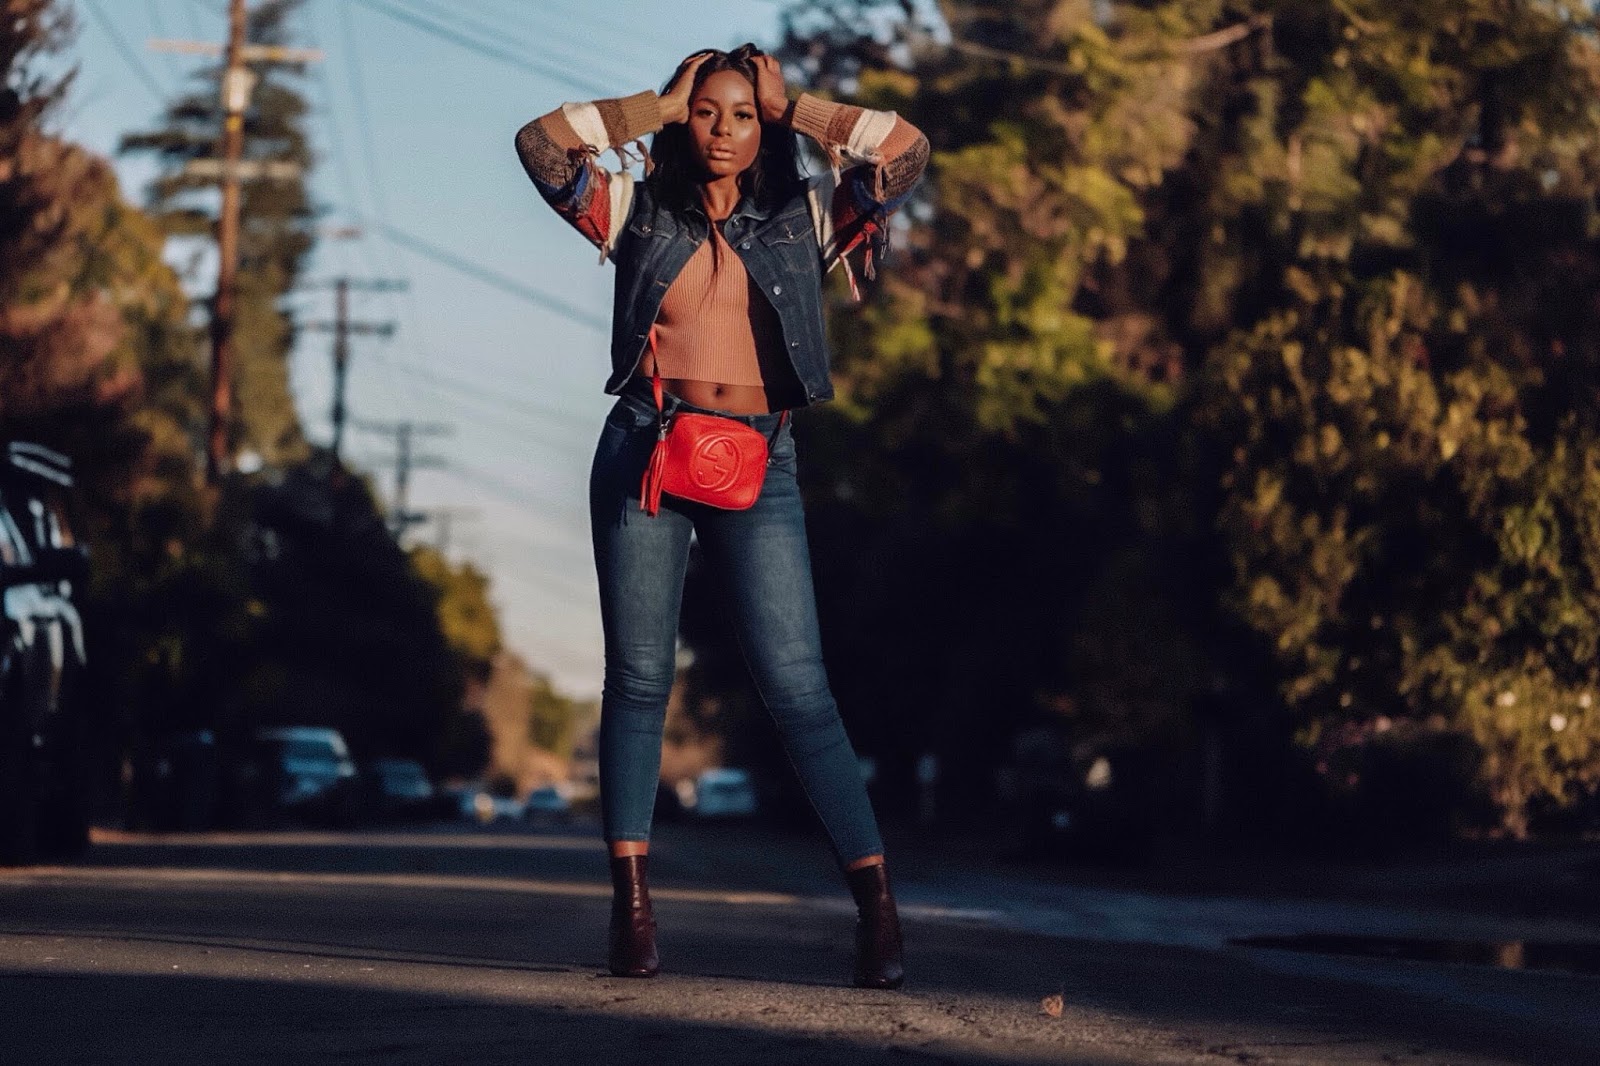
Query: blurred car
{"x": 397, "y": 789}
{"x": 547, "y": 804}
{"x": 474, "y": 802}
{"x": 44, "y": 733}
{"x": 723, "y": 792}
{"x": 1084, "y": 799}
{"x": 305, "y": 773}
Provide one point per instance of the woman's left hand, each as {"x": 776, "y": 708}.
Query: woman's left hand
{"x": 772, "y": 96}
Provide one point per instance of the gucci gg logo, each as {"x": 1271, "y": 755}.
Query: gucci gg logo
{"x": 715, "y": 463}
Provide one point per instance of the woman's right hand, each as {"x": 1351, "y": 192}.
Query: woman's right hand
{"x": 675, "y": 101}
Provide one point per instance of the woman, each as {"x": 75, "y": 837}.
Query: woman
{"x": 720, "y": 253}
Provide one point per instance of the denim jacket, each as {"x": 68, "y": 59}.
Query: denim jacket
{"x": 877, "y": 156}
{"x": 780, "y": 251}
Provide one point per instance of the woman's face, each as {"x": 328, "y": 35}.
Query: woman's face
{"x": 724, "y": 125}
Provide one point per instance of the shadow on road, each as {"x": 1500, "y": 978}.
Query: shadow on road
{"x": 484, "y": 947}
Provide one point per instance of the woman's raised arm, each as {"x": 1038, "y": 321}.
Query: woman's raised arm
{"x": 561, "y": 150}
{"x": 877, "y": 156}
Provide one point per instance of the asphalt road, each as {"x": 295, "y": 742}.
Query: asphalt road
{"x": 447, "y": 945}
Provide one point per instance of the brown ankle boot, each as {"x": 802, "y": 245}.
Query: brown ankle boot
{"x": 633, "y": 926}
{"x": 878, "y": 963}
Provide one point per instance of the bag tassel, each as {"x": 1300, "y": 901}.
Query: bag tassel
{"x": 650, "y": 484}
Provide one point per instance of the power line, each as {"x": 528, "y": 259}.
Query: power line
{"x": 508, "y": 491}
{"x": 346, "y": 177}
{"x": 494, "y": 420}
{"x": 427, "y": 25}
{"x": 129, "y": 56}
{"x": 156, "y": 22}
{"x": 528, "y": 16}
{"x": 363, "y": 113}
{"x": 497, "y": 31}
{"x": 536, "y": 411}
{"x": 492, "y": 277}
{"x": 375, "y": 176}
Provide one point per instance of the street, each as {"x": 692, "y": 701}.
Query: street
{"x": 451, "y": 945}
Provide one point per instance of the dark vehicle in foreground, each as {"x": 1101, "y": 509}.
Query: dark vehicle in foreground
{"x": 397, "y": 790}
{"x": 44, "y": 732}
{"x": 304, "y": 774}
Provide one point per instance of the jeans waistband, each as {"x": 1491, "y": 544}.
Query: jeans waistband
{"x": 638, "y": 391}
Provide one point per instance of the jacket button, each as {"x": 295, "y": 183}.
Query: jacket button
{"x": 794, "y": 344}
{"x": 777, "y": 290}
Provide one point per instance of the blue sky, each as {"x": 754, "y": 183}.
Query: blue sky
{"x": 418, "y": 130}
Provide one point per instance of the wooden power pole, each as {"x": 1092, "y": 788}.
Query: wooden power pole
{"x": 236, "y": 79}
{"x": 406, "y": 460}
{"x": 342, "y": 329}
{"x": 230, "y": 170}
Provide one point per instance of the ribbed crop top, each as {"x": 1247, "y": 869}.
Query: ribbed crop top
{"x": 714, "y": 325}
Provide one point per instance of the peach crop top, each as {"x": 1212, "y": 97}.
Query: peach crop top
{"x": 716, "y": 326}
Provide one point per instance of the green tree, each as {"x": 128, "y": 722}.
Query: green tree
{"x": 1223, "y": 314}
{"x": 1410, "y": 428}
{"x": 553, "y": 718}
{"x": 466, "y": 615}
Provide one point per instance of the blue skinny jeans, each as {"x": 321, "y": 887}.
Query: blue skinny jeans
{"x": 764, "y": 562}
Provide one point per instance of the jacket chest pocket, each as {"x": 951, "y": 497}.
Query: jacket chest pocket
{"x": 787, "y": 230}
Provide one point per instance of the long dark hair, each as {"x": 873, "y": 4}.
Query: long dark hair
{"x": 676, "y": 176}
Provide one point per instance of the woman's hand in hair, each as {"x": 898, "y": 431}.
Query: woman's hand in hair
{"x": 772, "y": 96}
{"x": 675, "y": 101}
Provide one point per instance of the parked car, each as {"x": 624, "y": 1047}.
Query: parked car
{"x": 723, "y": 792}
{"x": 397, "y": 789}
{"x": 547, "y": 804}
{"x": 305, "y": 773}
{"x": 1085, "y": 799}
{"x": 44, "y": 731}
{"x": 466, "y": 801}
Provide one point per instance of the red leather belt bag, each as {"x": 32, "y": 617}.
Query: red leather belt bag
{"x": 703, "y": 457}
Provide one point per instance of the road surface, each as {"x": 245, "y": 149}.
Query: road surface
{"x": 447, "y": 944}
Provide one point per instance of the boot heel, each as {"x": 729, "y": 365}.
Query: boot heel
{"x": 631, "y": 934}
{"x": 877, "y": 936}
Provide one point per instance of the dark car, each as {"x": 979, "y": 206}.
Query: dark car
{"x": 302, "y": 774}
{"x": 397, "y": 790}
{"x": 43, "y": 717}
{"x": 1087, "y": 799}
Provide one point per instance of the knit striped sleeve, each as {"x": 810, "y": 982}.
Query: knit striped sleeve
{"x": 878, "y": 158}
{"x": 561, "y": 150}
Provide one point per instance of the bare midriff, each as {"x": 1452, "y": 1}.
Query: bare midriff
{"x": 713, "y": 395}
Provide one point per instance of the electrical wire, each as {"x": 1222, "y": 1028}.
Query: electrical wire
{"x": 498, "y": 32}
{"x": 568, "y": 27}
{"x": 436, "y": 29}
{"x": 535, "y": 411}
{"x": 358, "y": 93}
{"x": 373, "y": 267}
{"x": 129, "y": 56}
{"x": 491, "y": 277}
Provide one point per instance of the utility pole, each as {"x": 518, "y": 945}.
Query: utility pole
{"x": 342, "y": 328}
{"x": 236, "y": 79}
{"x": 230, "y": 169}
{"x": 443, "y": 519}
{"x": 405, "y": 461}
